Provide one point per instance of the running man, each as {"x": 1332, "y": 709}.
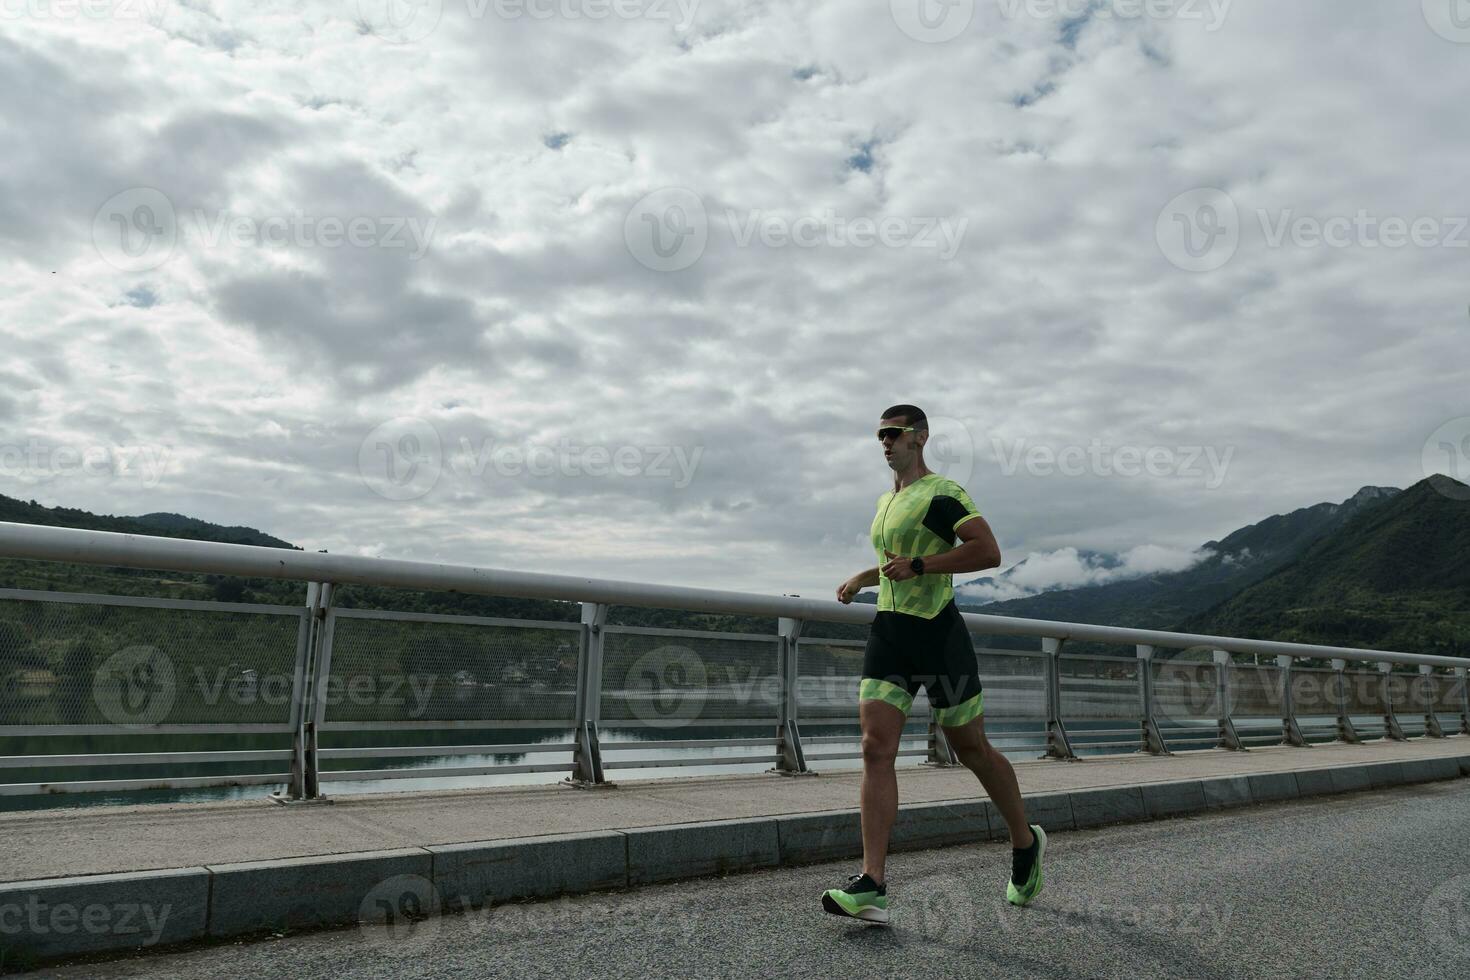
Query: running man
{"x": 918, "y": 638}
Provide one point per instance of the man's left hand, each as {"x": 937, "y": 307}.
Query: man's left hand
{"x": 897, "y": 568}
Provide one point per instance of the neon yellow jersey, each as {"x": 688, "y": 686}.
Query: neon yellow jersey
{"x": 918, "y": 521}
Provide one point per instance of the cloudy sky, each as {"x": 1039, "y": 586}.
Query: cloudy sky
{"x": 620, "y": 288}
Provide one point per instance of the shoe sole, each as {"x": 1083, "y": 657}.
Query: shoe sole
{"x": 1041, "y": 876}
{"x": 869, "y": 914}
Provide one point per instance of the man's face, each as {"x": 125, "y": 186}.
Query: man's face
{"x": 902, "y": 448}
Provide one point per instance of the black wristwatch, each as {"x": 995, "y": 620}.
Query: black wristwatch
{"x": 917, "y": 565}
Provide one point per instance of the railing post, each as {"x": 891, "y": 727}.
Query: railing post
{"x": 1461, "y": 674}
{"x": 1229, "y": 738}
{"x": 1058, "y": 746}
{"x": 941, "y": 753}
{"x": 1289, "y": 729}
{"x": 1431, "y": 719}
{"x": 296, "y": 788}
{"x": 587, "y": 756}
{"x": 1152, "y": 739}
{"x": 1391, "y": 727}
{"x": 792, "y": 761}
{"x": 1346, "y": 732}
{"x": 315, "y": 708}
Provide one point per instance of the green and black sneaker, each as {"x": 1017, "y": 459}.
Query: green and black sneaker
{"x": 861, "y": 899}
{"x": 1025, "y": 883}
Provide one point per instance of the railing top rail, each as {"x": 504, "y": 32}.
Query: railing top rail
{"x": 44, "y": 543}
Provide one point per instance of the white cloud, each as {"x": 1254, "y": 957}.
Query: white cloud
{"x": 259, "y": 369}
{"x": 1066, "y": 568}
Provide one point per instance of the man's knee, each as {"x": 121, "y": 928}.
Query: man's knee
{"x": 967, "y": 739}
{"x": 879, "y": 749}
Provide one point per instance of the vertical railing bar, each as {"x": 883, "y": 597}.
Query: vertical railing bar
{"x": 1431, "y": 720}
{"x": 1290, "y": 731}
{"x": 1229, "y": 738}
{"x": 296, "y": 789}
{"x": 792, "y": 759}
{"x": 1058, "y": 745}
{"x": 1464, "y": 682}
{"x": 1391, "y": 727}
{"x": 1152, "y": 738}
{"x": 587, "y": 758}
{"x": 1346, "y": 731}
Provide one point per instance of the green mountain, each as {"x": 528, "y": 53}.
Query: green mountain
{"x": 1161, "y": 600}
{"x": 1392, "y": 577}
{"x": 165, "y": 525}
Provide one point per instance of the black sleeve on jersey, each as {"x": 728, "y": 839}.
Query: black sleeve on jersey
{"x": 941, "y": 517}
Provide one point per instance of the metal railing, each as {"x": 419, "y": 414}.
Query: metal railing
{"x": 198, "y": 694}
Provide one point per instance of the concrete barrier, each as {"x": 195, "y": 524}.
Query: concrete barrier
{"x": 303, "y": 893}
{"x": 62, "y": 917}
{"x": 1098, "y": 807}
{"x": 694, "y": 849}
{"x": 472, "y": 875}
{"x": 54, "y": 917}
{"x": 827, "y": 835}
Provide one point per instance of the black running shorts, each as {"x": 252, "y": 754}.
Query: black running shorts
{"x": 906, "y": 652}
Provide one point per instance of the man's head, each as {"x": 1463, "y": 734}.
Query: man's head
{"x": 903, "y": 431}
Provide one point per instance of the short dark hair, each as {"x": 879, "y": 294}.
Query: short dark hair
{"x": 912, "y": 415}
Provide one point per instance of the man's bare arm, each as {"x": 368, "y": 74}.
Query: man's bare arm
{"x": 854, "y": 585}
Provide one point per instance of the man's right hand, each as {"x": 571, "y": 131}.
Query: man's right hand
{"x": 847, "y": 590}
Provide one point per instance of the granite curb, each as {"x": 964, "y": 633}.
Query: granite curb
{"x": 48, "y": 919}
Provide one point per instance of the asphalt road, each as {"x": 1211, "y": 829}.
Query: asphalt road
{"x": 1360, "y": 885}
